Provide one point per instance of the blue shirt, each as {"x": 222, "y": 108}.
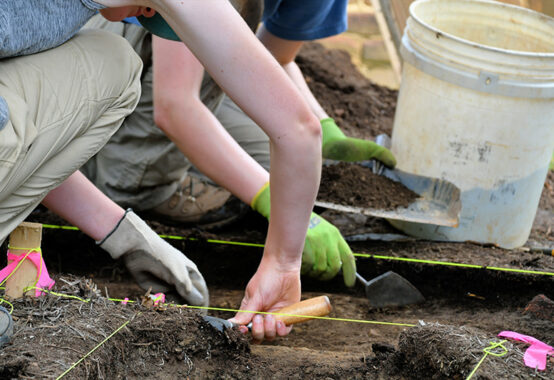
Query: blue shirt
{"x": 305, "y": 20}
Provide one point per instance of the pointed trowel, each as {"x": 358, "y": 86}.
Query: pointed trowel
{"x": 296, "y": 313}
{"x": 390, "y": 289}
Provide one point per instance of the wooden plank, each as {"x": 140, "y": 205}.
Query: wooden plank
{"x": 25, "y": 237}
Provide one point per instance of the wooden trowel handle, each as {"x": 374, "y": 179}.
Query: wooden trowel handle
{"x": 314, "y": 307}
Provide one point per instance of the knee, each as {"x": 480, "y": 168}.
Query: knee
{"x": 113, "y": 62}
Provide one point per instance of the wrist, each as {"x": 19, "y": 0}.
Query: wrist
{"x": 281, "y": 261}
{"x": 330, "y": 131}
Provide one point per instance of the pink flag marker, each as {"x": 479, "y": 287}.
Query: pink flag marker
{"x": 35, "y": 256}
{"x": 535, "y": 355}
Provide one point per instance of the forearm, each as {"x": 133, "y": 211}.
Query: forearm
{"x": 204, "y": 141}
{"x": 179, "y": 112}
{"x": 79, "y": 202}
{"x": 294, "y": 72}
{"x": 248, "y": 73}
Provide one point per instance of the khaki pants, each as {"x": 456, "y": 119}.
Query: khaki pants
{"x": 64, "y": 105}
{"x": 140, "y": 167}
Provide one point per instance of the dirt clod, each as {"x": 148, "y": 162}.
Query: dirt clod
{"x": 437, "y": 351}
{"x": 541, "y": 307}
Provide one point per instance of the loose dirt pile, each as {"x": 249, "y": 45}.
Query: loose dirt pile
{"x": 355, "y": 185}
{"x": 435, "y": 351}
{"x": 55, "y": 332}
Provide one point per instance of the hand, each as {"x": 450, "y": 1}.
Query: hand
{"x": 336, "y": 146}
{"x": 325, "y": 250}
{"x": 270, "y": 289}
{"x": 153, "y": 262}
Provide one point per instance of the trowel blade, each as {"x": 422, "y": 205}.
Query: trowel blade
{"x": 218, "y": 323}
{"x": 391, "y": 289}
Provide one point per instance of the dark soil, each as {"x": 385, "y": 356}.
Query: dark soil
{"x": 465, "y": 308}
{"x": 435, "y": 351}
{"x": 347, "y": 184}
{"x": 361, "y": 108}
{"x": 53, "y": 333}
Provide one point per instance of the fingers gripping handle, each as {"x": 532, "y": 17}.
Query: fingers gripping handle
{"x": 312, "y": 307}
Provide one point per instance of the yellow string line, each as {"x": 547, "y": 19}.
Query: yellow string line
{"x": 245, "y": 311}
{"x": 488, "y": 351}
{"x": 434, "y": 262}
{"x": 366, "y": 255}
{"x": 57, "y": 294}
{"x": 94, "y": 349}
{"x": 296, "y": 315}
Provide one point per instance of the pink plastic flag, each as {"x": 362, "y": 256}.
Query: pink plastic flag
{"x": 157, "y": 298}
{"x": 35, "y": 256}
{"x": 535, "y": 355}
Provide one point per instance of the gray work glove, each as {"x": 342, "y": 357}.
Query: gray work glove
{"x": 153, "y": 262}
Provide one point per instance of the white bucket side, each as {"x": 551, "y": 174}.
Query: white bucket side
{"x": 478, "y": 64}
{"x": 495, "y": 148}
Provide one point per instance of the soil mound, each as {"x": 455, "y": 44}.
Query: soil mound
{"x": 355, "y": 185}
{"x": 52, "y": 333}
{"x": 436, "y": 351}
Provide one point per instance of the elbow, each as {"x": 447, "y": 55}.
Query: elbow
{"x": 163, "y": 113}
{"x": 162, "y": 118}
{"x": 310, "y": 131}
{"x": 166, "y": 114}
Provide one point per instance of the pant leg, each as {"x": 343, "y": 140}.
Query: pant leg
{"x": 64, "y": 105}
{"x": 139, "y": 167}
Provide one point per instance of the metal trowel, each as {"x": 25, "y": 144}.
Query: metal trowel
{"x": 296, "y": 313}
{"x": 390, "y": 289}
{"x": 438, "y": 203}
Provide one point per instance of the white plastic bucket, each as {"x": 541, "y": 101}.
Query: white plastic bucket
{"x": 476, "y": 108}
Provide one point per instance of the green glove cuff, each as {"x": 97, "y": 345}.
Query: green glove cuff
{"x": 330, "y": 131}
{"x": 261, "y": 201}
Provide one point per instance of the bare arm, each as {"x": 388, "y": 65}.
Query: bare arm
{"x": 180, "y": 113}
{"x": 79, "y": 202}
{"x": 285, "y": 52}
{"x": 248, "y": 73}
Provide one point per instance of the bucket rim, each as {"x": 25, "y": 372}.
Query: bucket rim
{"x": 519, "y": 53}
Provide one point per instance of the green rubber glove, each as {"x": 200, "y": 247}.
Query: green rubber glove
{"x": 325, "y": 250}
{"x": 336, "y": 146}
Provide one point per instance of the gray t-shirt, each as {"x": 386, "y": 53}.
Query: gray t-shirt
{"x": 31, "y": 26}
